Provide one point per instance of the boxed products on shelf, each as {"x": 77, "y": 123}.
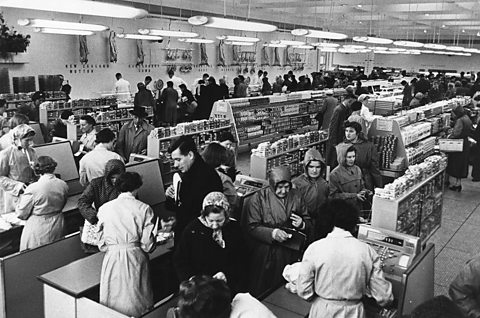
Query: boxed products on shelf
{"x": 288, "y": 151}
{"x": 196, "y": 126}
{"x": 386, "y": 148}
{"x": 413, "y": 175}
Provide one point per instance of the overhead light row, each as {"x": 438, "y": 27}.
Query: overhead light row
{"x": 82, "y": 7}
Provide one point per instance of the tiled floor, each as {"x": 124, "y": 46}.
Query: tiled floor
{"x": 455, "y": 241}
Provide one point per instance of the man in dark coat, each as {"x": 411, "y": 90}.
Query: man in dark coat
{"x": 407, "y": 94}
{"x": 336, "y": 131}
{"x": 143, "y": 97}
{"x": 198, "y": 180}
{"x": 212, "y": 92}
{"x": 423, "y": 85}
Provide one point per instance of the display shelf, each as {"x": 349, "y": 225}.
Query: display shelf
{"x": 411, "y": 129}
{"x": 265, "y": 118}
{"x": 157, "y": 147}
{"x": 416, "y": 212}
{"x": 196, "y": 132}
{"x": 262, "y": 160}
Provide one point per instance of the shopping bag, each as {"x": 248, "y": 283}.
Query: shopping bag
{"x": 90, "y": 234}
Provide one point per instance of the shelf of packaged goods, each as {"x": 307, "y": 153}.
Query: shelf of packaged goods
{"x": 116, "y": 120}
{"x": 262, "y": 138}
{"x": 236, "y": 109}
{"x": 417, "y": 186}
{"x": 196, "y": 132}
{"x": 294, "y": 149}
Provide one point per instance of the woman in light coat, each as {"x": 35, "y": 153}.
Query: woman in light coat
{"x": 41, "y": 205}
{"x": 16, "y": 164}
{"x": 126, "y": 226}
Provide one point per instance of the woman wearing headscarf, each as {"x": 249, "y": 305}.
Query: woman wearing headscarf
{"x": 267, "y": 215}
{"x": 16, "y": 163}
{"x": 346, "y": 180}
{"x": 457, "y": 167}
{"x": 98, "y": 192}
{"x": 212, "y": 245}
{"x": 366, "y": 156}
{"x": 41, "y": 205}
{"x": 126, "y": 226}
{"x": 312, "y": 185}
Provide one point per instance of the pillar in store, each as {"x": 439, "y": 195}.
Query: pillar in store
{"x": 369, "y": 61}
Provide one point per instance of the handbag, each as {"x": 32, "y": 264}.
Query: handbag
{"x": 297, "y": 240}
{"x": 90, "y": 234}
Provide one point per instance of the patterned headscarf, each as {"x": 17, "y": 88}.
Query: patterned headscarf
{"x": 220, "y": 200}
{"x": 217, "y": 199}
{"x": 22, "y": 131}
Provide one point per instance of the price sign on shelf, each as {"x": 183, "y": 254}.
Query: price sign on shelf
{"x": 222, "y": 107}
{"x": 384, "y": 124}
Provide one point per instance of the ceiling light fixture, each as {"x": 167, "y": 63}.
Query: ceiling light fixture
{"x": 455, "y": 48}
{"x": 274, "y": 45}
{"x": 356, "y": 47}
{"x": 169, "y": 33}
{"x": 344, "y": 50}
{"x": 325, "y": 44}
{"x": 379, "y": 48}
{"x": 78, "y": 7}
{"x": 288, "y": 42}
{"x": 435, "y": 46}
{"x": 324, "y": 35}
{"x": 372, "y": 39}
{"x": 230, "y": 24}
{"x": 385, "y": 52}
{"x": 139, "y": 36}
{"x": 40, "y": 23}
{"x": 242, "y": 43}
{"x": 194, "y": 40}
{"x": 237, "y": 38}
{"x": 62, "y": 31}
{"x": 408, "y": 43}
{"x": 306, "y": 47}
{"x": 328, "y": 49}
{"x": 397, "y": 49}
{"x": 299, "y": 32}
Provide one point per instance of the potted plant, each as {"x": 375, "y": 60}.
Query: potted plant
{"x": 11, "y": 41}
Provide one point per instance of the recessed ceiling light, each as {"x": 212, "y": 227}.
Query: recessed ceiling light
{"x": 444, "y": 26}
{"x": 427, "y": 14}
{"x": 478, "y": 33}
{"x": 424, "y": 31}
{"x": 96, "y": 8}
{"x": 231, "y": 24}
{"x": 359, "y": 5}
{"x": 40, "y": 23}
{"x": 463, "y": 31}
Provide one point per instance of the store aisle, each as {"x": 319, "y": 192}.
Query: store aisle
{"x": 457, "y": 239}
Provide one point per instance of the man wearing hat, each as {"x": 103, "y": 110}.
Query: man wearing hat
{"x": 16, "y": 164}
{"x": 132, "y": 137}
{"x": 326, "y": 110}
{"x": 32, "y": 110}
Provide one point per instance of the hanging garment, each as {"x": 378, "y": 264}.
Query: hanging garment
{"x": 83, "y": 49}
{"x": 112, "y": 44}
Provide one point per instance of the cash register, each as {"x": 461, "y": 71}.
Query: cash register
{"x": 405, "y": 264}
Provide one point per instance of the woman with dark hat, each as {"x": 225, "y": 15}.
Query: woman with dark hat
{"x": 16, "y": 164}
{"x": 457, "y": 167}
{"x": 41, "y": 205}
{"x": 132, "y": 137}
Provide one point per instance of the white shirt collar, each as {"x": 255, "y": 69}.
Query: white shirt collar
{"x": 339, "y": 232}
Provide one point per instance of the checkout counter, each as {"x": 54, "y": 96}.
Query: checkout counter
{"x": 409, "y": 268}
{"x": 21, "y": 294}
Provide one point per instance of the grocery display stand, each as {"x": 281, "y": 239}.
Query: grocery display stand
{"x": 157, "y": 146}
{"x": 260, "y": 166}
{"x": 417, "y": 212}
{"x": 409, "y": 138}
{"x": 267, "y": 118}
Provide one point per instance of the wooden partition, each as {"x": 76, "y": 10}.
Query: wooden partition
{"x": 21, "y": 294}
